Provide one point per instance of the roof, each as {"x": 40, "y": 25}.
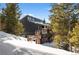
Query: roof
{"x": 35, "y": 20}
{"x": 45, "y": 24}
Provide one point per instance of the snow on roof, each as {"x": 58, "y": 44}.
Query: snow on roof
{"x": 10, "y": 44}
{"x": 40, "y": 23}
{"x": 35, "y": 18}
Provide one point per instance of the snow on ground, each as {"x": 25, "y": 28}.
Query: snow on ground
{"x": 16, "y": 45}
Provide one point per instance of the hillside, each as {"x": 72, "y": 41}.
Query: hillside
{"x": 16, "y": 45}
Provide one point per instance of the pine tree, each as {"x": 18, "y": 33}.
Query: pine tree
{"x": 75, "y": 27}
{"x": 74, "y": 16}
{"x": 3, "y": 22}
{"x": 60, "y": 17}
{"x": 18, "y": 28}
{"x": 74, "y": 40}
{"x": 0, "y": 21}
{"x": 12, "y": 14}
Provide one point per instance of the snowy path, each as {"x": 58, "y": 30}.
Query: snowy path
{"x": 15, "y": 45}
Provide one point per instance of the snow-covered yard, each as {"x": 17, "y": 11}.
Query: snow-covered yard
{"x": 16, "y": 45}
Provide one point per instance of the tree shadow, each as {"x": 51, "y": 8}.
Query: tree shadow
{"x": 34, "y": 52}
{"x": 6, "y": 49}
{"x": 51, "y": 44}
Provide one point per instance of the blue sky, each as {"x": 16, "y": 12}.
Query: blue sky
{"x": 39, "y": 10}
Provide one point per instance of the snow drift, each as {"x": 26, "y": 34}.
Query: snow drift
{"x": 16, "y": 45}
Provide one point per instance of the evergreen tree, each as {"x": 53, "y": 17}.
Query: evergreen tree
{"x": 3, "y": 22}
{"x": 0, "y": 21}
{"x": 74, "y": 34}
{"x": 12, "y": 14}
{"x": 60, "y": 17}
{"x": 74, "y": 40}
{"x": 74, "y": 16}
{"x": 18, "y": 28}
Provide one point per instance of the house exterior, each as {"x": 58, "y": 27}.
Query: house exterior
{"x": 35, "y": 27}
{"x": 32, "y": 24}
